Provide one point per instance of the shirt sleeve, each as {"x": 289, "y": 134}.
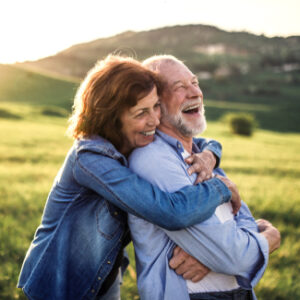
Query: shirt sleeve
{"x": 123, "y": 188}
{"x": 233, "y": 247}
{"x": 214, "y": 146}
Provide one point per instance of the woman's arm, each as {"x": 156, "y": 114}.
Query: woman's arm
{"x": 123, "y": 188}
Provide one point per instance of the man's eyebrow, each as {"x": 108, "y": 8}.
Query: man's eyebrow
{"x": 176, "y": 82}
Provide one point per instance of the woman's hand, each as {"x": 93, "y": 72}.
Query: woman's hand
{"x": 202, "y": 163}
{"x": 236, "y": 200}
{"x": 187, "y": 266}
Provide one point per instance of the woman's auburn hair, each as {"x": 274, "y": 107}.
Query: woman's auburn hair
{"x": 112, "y": 86}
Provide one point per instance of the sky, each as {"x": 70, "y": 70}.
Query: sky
{"x": 33, "y": 29}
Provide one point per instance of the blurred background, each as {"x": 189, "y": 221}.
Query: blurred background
{"x": 246, "y": 55}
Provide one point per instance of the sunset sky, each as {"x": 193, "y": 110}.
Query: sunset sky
{"x": 36, "y": 28}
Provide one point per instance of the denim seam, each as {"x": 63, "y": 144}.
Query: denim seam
{"x": 107, "y": 236}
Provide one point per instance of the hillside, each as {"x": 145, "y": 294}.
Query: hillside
{"x": 18, "y": 85}
{"x": 204, "y": 48}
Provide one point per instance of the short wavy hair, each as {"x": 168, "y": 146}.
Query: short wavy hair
{"x": 115, "y": 84}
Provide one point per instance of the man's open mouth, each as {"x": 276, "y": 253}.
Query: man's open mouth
{"x": 192, "y": 109}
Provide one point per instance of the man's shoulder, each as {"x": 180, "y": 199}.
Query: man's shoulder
{"x": 157, "y": 148}
{"x": 153, "y": 156}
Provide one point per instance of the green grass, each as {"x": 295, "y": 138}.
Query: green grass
{"x": 265, "y": 167}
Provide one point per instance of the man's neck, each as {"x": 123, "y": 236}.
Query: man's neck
{"x": 187, "y": 142}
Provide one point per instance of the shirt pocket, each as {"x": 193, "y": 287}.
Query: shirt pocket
{"x": 108, "y": 223}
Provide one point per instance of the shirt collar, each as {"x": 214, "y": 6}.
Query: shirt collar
{"x": 175, "y": 143}
{"x": 170, "y": 140}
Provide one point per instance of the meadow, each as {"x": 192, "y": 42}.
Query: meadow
{"x": 265, "y": 167}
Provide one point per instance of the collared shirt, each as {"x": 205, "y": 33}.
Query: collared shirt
{"x": 233, "y": 247}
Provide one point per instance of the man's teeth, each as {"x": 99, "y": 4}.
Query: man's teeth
{"x": 147, "y": 133}
{"x": 191, "y": 107}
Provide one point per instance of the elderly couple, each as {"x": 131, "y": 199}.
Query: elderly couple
{"x": 135, "y": 163}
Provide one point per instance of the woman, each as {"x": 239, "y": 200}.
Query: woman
{"x": 77, "y": 249}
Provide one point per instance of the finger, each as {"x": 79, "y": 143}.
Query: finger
{"x": 192, "y": 169}
{"x": 203, "y": 174}
{"x": 183, "y": 268}
{"x": 177, "y": 260}
{"x": 189, "y": 275}
{"x": 208, "y": 176}
{"x": 198, "y": 180}
{"x": 236, "y": 207}
{"x": 198, "y": 277}
{"x": 176, "y": 250}
{"x": 189, "y": 159}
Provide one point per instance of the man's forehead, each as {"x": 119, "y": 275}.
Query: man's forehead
{"x": 176, "y": 72}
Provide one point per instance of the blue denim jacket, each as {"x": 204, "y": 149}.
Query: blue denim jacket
{"x": 84, "y": 221}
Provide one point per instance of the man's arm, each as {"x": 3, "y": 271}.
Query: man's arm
{"x": 226, "y": 248}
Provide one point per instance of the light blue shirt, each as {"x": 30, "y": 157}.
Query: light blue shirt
{"x": 234, "y": 247}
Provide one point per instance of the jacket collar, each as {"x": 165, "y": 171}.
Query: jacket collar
{"x": 99, "y": 145}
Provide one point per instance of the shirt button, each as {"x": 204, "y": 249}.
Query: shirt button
{"x": 108, "y": 262}
{"x": 99, "y": 278}
{"x": 93, "y": 291}
{"x": 115, "y": 213}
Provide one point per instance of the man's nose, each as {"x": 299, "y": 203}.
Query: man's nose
{"x": 195, "y": 92}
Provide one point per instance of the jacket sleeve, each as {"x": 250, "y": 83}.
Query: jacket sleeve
{"x": 234, "y": 247}
{"x": 123, "y": 188}
{"x": 211, "y": 145}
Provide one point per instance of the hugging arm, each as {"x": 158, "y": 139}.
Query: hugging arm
{"x": 123, "y": 188}
{"x": 232, "y": 247}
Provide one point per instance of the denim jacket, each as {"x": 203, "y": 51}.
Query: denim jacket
{"x": 84, "y": 224}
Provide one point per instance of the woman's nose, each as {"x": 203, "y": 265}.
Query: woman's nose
{"x": 154, "y": 118}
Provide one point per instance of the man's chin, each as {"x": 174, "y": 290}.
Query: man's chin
{"x": 194, "y": 130}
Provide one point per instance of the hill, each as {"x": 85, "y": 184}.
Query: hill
{"x": 204, "y": 48}
{"x": 22, "y": 86}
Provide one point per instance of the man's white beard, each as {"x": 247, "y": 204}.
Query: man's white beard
{"x": 181, "y": 124}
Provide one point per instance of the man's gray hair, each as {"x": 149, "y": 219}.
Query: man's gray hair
{"x": 155, "y": 62}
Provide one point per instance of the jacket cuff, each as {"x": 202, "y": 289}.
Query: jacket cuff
{"x": 222, "y": 189}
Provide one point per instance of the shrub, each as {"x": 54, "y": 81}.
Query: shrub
{"x": 54, "y": 111}
{"x": 8, "y": 115}
{"x": 241, "y": 123}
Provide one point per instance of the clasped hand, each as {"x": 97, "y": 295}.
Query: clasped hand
{"x": 203, "y": 164}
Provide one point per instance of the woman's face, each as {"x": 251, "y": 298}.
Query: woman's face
{"x": 139, "y": 122}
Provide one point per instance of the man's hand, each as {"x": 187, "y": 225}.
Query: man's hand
{"x": 270, "y": 233}
{"x": 202, "y": 163}
{"x": 235, "y": 196}
{"x": 187, "y": 266}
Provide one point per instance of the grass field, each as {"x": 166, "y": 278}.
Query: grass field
{"x": 265, "y": 167}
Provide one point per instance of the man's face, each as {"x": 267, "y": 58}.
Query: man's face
{"x": 182, "y": 103}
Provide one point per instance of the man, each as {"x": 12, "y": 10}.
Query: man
{"x": 230, "y": 246}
